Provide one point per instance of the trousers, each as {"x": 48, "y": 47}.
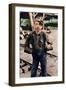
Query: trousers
{"x": 43, "y": 62}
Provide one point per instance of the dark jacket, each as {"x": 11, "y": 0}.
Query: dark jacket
{"x": 36, "y": 42}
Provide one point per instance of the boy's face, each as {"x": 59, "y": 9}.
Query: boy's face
{"x": 37, "y": 26}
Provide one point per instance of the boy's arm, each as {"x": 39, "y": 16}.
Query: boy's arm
{"x": 47, "y": 38}
{"x": 27, "y": 48}
{"x": 48, "y": 42}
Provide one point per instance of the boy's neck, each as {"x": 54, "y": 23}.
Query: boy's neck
{"x": 38, "y": 32}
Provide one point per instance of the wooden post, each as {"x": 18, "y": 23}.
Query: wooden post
{"x": 31, "y": 20}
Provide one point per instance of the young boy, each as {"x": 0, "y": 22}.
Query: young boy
{"x": 37, "y": 39}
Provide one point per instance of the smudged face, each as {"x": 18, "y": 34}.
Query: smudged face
{"x": 37, "y": 26}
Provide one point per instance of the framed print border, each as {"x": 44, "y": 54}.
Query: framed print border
{"x": 12, "y": 43}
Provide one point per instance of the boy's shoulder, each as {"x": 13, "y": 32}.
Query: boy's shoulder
{"x": 31, "y": 33}
{"x": 43, "y": 31}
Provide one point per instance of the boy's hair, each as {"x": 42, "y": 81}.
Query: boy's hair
{"x": 40, "y": 22}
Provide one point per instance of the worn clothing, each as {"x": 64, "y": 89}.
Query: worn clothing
{"x": 36, "y": 59}
{"x": 35, "y": 44}
{"x": 37, "y": 41}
